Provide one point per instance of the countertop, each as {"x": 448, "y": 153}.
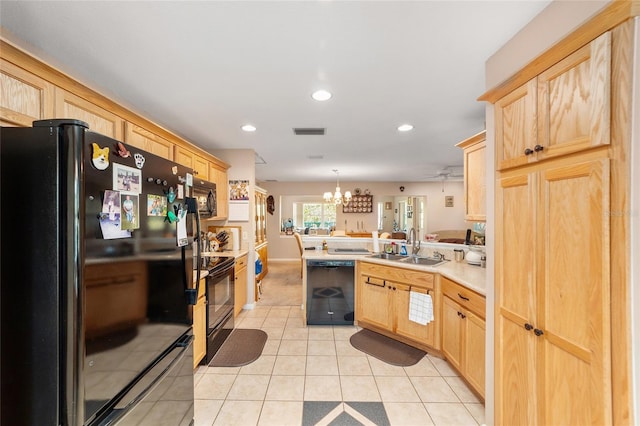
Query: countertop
{"x": 470, "y": 276}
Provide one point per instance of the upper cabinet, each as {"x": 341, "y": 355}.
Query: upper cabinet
{"x": 565, "y": 109}
{"x": 218, "y": 176}
{"x": 474, "y": 177}
{"x": 31, "y": 90}
{"x": 100, "y": 120}
{"x": 24, "y": 97}
{"x": 147, "y": 141}
{"x": 188, "y": 158}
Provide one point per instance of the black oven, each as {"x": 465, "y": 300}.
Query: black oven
{"x": 220, "y": 301}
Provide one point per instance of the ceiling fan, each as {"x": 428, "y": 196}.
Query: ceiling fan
{"x": 446, "y": 174}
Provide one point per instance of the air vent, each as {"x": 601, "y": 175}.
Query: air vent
{"x": 259, "y": 159}
{"x": 315, "y": 157}
{"x": 309, "y": 131}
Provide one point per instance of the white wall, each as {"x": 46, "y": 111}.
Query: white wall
{"x": 555, "y": 22}
{"x": 243, "y": 168}
{"x": 438, "y": 216}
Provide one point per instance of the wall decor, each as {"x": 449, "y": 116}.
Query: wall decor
{"x": 359, "y": 204}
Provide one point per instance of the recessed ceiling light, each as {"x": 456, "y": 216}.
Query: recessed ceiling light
{"x": 321, "y": 95}
{"x": 405, "y": 127}
{"x": 249, "y": 128}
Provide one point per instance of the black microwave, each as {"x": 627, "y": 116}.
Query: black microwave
{"x": 205, "y": 193}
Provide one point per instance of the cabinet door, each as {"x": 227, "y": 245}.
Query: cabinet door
{"x": 474, "y": 351}
{"x": 405, "y": 327}
{"x": 24, "y": 97}
{"x": 516, "y": 298}
{"x": 200, "y": 167}
{"x": 575, "y": 316}
{"x": 474, "y": 182}
{"x": 100, "y": 120}
{"x": 183, "y": 156}
{"x": 148, "y": 141}
{"x": 240, "y": 289}
{"x": 199, "y": 330}
{"x": 374, "y": 303}
{"x": 452, "y": 332}
{"x": 575, "y": 102}
{"x": 515, "y": 116}
{"x": 219, "y": 177}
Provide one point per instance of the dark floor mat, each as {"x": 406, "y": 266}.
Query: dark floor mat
{"x": 242, "y": 347}
{"x": 386, "y": 349}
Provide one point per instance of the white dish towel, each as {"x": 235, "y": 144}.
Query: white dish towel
{"x": 420, "y": 308}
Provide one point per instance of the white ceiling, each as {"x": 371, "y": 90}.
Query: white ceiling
{"x": 202, "y": 69}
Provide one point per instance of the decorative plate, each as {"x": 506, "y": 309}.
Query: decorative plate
{"x": 356, "y": 191}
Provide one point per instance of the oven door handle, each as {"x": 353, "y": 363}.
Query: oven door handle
{"x": 192, "y": 293}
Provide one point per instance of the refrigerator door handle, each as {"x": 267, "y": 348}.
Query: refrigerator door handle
{"x": 192, "y": 293}
{"x": 146, "y": 384}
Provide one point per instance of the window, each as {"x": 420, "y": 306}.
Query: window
{"x": 317, "y": 215}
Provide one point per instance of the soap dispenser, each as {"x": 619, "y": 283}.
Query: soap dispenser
{"x": 403, "y": 249}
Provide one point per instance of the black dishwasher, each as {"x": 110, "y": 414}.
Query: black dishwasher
{"x": 330, "y": 290}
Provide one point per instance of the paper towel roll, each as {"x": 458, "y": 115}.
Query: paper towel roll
{"x": 235, "y": 239}
{"x": 376, "y": 243}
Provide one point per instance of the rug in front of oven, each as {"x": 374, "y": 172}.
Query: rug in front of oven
{"x": 242, "y": 347}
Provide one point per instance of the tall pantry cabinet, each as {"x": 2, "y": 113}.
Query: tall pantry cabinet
{"x": 560, "y": 140}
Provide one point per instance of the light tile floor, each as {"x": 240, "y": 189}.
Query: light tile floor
{"x": 317, "y": 363}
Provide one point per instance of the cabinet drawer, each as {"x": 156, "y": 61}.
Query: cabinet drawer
{"x": 241, "y": 262}
{"x": 463, "y": 296}
{"x": 398, "y": 275}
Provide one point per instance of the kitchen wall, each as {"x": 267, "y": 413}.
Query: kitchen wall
{"x": 242, "y": 168}
{"x": 439, "y": 217}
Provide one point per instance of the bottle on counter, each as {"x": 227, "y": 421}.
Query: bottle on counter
{"x": 324, "y": 245}
{"x": 403, "y": 249}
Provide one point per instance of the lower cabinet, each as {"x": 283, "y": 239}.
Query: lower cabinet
{"x": 200, "y": 325}
{"x": 240, "y": 286}
{"x": 463, "y": 332}
{"x": 382, "y": 303}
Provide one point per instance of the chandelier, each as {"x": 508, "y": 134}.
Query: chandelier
{"x": 337, "y": 197}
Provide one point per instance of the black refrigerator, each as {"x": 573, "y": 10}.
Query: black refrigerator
{"x": 97, "y": 280}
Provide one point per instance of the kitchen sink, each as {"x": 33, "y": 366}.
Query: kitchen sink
{"x": 388, "y": 256}
{"x": 423, "y": 261}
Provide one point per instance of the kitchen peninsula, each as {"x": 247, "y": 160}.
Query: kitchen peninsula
{"x": 380, "y": 293}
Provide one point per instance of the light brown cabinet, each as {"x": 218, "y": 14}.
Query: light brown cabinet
{"x": 200, "y": 325}
{"x": 463, "y": 332}
{"x": 24, "y": 97}
{"x": 553, "y": 319}
{"x": 532, "y": 121}
{"x": 219, "y": 177}
{"x": 68, "y": 105}
{"x": 240, "y": 285}
{"x": 260, "y": 215}
{"x": 147, "y": 141}
{"x": 190, "y": 159}
{"x": 475, "y": 193}
{"x": 382, "y": 303}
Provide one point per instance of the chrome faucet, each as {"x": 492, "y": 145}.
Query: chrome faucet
{"x": 415, "y": 243}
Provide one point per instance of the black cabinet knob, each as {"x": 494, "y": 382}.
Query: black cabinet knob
{"x": 538, "y": 148}
{"x": 528, "y": 151}
{"x": 528, "y": 326}
{"x": 538, "y": 332}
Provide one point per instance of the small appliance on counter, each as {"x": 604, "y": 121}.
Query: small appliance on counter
{"x": 474, "y": 255}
